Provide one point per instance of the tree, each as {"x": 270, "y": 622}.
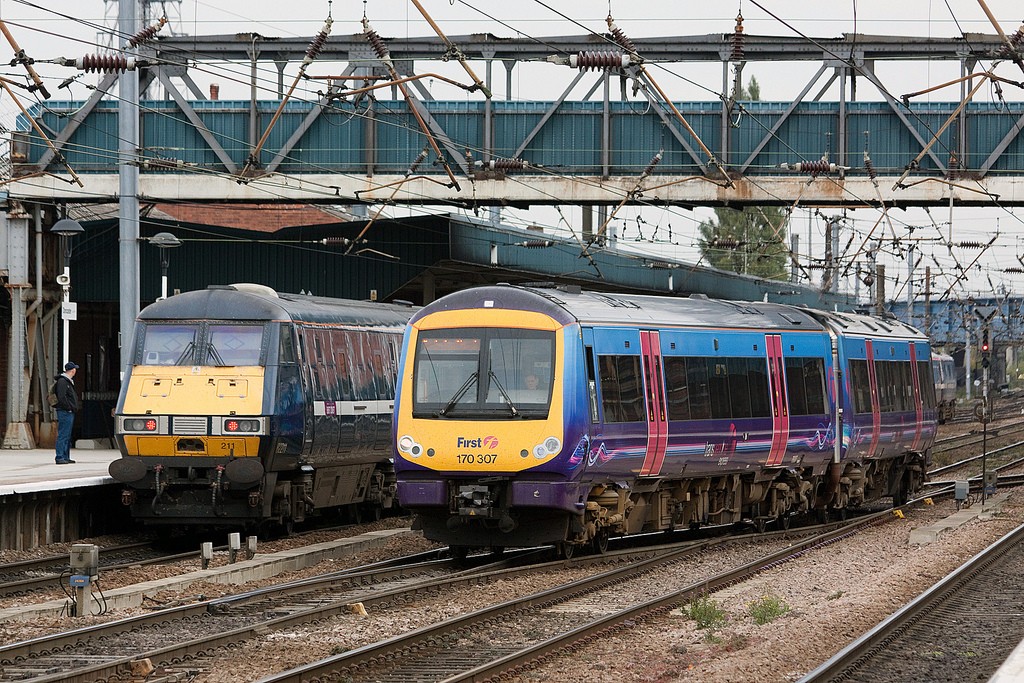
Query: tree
{"x": 751, "y": 241}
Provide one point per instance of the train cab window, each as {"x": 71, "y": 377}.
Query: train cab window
{"x": 622, "y": 395}
{"x": 286, "y": 346}
{"x": 483, "y": 372}
{"x": 234, "y": 345}
{"x": 172, "y": 344}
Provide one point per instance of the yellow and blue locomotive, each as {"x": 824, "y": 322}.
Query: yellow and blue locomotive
{"x": 244, "y": 407}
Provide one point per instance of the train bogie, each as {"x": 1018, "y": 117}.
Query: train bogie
{"x": 657, "y": 413}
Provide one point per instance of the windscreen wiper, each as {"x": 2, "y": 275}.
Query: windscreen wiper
{"x": 459, "y": 394}
{"x": 186, "y": 353}
{"x": 504, "y": 394}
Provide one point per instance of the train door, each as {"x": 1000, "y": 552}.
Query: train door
{"x": 918, "y": 405}
{"x": 876, "y": 411}
{"x": 657, "y": 423}
{"x": 780, "y": 402}
{"x": 305, "y": 355}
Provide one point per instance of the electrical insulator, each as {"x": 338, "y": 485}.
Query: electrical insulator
{"x": 420, "y": 158}
{"x": 536, "y": 244}
{"x": 343, "y": 241}
{"x": 1014, "y": 40}
{"x": 376, "y": 42}
{"x": 655, "y": 160}
{"x": 970, "y": 245}
{"x": 501, "y": 164}
{"x": 725, "y": 243}
{"x": 812, "y": 167}
{"x": 737, "y": 40}
{"x": 602, "y": 59}
{"x": 621, "y": 39}
{"x": 146, "y": 34}
{"x": 317, "y": 44}
{"x": 870, "y": 167}
{"x": 106, "y": 64}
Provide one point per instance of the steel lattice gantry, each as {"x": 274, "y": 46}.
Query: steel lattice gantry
{"x": 613, "y": 146}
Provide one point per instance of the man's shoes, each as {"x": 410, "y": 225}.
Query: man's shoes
{"x": 65, "y": 462}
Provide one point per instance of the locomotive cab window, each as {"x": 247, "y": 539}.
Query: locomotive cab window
{"x": 169, "y": 344}
{"x": 201, "y": 343}
{"x": 483, "y": 372}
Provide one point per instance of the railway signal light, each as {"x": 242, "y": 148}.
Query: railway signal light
{"x": 985, "y": 341}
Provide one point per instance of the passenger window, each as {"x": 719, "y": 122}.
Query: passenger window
{"x": 622, "y": 397}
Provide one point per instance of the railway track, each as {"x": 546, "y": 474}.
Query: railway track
{"x": 505, "y": 639}
{"x": 961, "y": 629}
{"x": 192, "y": 635}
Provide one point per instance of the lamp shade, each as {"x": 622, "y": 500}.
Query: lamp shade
{"x": 66, "y": 227}
{"x": 164, "y": 240}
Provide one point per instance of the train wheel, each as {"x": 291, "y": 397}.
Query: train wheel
{"x": 459, "y": 552}
{"x": 601, "y": 542}
{"x": 785, "y": 519}
{"x": 566, "y": 550}
{"x": 759, "y": 523}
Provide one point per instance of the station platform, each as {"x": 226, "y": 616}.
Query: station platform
{"x": 42, "y": 502}
{"x": 24, "y": 471}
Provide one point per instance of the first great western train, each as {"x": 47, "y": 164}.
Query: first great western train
{"x": 553, "y": 416}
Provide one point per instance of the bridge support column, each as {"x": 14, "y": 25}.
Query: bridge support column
{"x": 15, "y": 257}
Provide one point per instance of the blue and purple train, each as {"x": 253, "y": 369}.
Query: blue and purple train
{"x": 534, "y": 415}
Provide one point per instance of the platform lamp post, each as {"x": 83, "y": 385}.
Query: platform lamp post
{"x": 67, "y": 229}
{"x": 165, "y": 241}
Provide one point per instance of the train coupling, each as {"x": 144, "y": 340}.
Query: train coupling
{"x": 474, "y": 501}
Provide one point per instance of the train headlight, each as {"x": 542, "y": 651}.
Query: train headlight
{"x": 550, "y": 446}
{"x": 407, "y": 444}
{"x": 140, "y": 424}
{"x": 241, "y": 426}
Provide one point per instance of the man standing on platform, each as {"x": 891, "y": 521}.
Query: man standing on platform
{"x": 67, "y": 406}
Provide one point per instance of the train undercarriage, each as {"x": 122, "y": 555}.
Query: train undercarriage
{"x": 207, "y": 493}
{"x": 481, "y": 515}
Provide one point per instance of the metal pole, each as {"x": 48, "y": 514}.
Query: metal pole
{"x": 128, "y": 174}
{"x": 66, "y": 355}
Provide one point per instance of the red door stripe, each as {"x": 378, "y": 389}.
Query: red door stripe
{"x": 657, "y": 424}
{"x": 780, "y": 404}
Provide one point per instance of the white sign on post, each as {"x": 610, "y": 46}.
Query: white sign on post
{"x": 69, "y": 310}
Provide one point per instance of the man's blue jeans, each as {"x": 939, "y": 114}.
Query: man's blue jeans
{"x": 65, "y": 421}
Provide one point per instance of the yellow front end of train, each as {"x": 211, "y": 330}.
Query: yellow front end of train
{"x": 483, "y": 394}
{"x": 193, "y": 411}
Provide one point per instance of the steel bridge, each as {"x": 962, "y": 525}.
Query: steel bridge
{"x": 622, "y": 142}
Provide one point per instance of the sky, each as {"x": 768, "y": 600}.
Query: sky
{"x": 62, "y": 28}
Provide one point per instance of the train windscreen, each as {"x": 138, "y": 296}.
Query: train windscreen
{"x": 202, "y": 343}
{"x": 483, "y": 372}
